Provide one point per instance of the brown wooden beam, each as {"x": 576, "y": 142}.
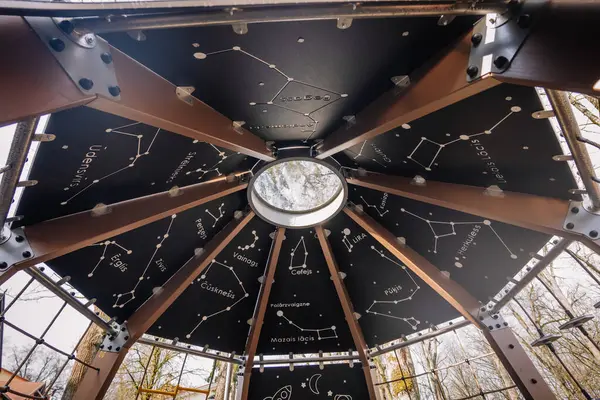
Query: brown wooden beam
{"x": 95, "y": 383}
{"x": 59, "y": 236}
{"x": 259, "y": 316}
{"x": 438, "y": 85}
{"x": 34, "y": 83}
{"x": 501, "y": 338}
{"x": 355, "y": 330}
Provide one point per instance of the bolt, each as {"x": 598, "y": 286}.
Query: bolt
{"x": 534, "y": 381}
{"x": 57, "y": 44}
{"x": 511, "y": 346}
{"x": 126, "y": 338}
{"x": 570, "y": 225}
{"x": 19, "y": 238}
{"x": 3, "y": 265}
{"x": 110, "y": 347}
{"x": 89, "y": 39}
{"x": 114, "y": 90}
{"x": 106, "y": 57}
{"x": 498, "y": 325}
{"x": 524, "y": 21}
{"x": 86, "y": 84}
{"x": 594, "y": 234}
{"x": 26, "y": 254}
{"x": 476, "y": 39}
{"x": 495, "y": 316}
{"x": 501, "y": 62}
{"x": 122, "y": 329}
{"x": 472, "y": 71}
{"x": 491, "y": 328}
{"x": 118, "y": 348}
{"x": 66, "y": 26}
{"x": 575, "y": 210}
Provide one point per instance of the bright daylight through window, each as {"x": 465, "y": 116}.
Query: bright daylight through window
{"x": 297, "y": 192}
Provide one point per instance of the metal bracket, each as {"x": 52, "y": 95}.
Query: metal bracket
{"x": 496, "y": 40}
{"x": 184, "y": 93}
{"x": 114, "y": 343}
{"x": 240, "y": 28}
{"x": 84, "y": 56}
{"x": 492, "y": 322}
{"x": 580, "y": 220}
{"x": 344, "y": 23}
{"x": 14, "y": 249}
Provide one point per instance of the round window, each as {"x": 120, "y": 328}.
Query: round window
{"x": 297, "y": 192}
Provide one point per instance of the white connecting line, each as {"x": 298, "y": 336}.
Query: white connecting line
{"x": 132, "y": 160}
{"x": 289, "y": 79}
{"x": 217, "y": 218}
{"x": 414, "y": 323}
{"x": 214, "y": 168}
{"x": 332, "y": 329}
{"x": 303, "y": 265}
{"x": 228, "y": 308}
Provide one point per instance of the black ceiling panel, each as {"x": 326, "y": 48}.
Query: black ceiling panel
{"x": 101, "y": 158}
{"x": 122, "y": 271}
{"x": 478, "y": 253}
{"x": 390, "y": 299}
{"x": 333, "y": 382}
{"x": 304, "y": 314}
{"x": 215, "y": 309}
{"x": 451, "y": 145}
{"x": 303, "y": 68}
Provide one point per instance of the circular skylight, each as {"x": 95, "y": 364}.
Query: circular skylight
{"x": 297, "y": 192}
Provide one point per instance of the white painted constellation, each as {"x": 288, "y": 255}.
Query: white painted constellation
{"x": 303, "y": 265}
{"x": 217, "y": 218}
{"x": 132, "y": 160}
{"x": 360, "y": 154}
{"x": 130, "y": 295}
{"x": 414, "y": 323}
{"x": 452, "y": 224}
{"x": 346, "y": 232}
{"x": 228, "y": 308}
{"x": 289, "y": 79}
{"x": 215, "y": 168}
{"x": 102, "y": 257}
{"x": 332, "y": 329}
{"x": 251, "y": 245}
{"x": 379, "y": 211}
{"x": 441, "y": 146}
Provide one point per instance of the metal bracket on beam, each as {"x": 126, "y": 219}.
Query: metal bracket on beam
{"x": 580, "y": 220}
{"x": 184, "y": 93}
{"x": 492, "y": 322}
{"x": 85, "y": 57}
{"x": 496, "y": 40}
{"x": 14, "y": 249}
{"x": 114, "y": 343}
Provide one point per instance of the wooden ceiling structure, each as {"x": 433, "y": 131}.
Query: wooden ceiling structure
{"x": 98, "y": 72}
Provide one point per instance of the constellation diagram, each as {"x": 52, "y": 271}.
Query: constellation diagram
{"x": 379, "y": 211}
{"x": 441, "y": 146}
{"x": 251, "y": 245}
{"x": 130, "y": 296}
{"x": 303, "y": 265}
{"x": 360, "y": 154}
{"x": 312, "y": 127}
{"x": 452, "y": 225}
{"x": 346, "y": 232}
{"x": 215, "y": 168}
{"x": 414, "y": 323}
{"x": 102, "y": 257}
{"x": 132, "y": 160}
{"x": 332, "y": 330}
{"x": 220, "y": 292}
{"x": 217, "y": 218}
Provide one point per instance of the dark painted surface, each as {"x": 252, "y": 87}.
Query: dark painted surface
{"x": 334, "y": 382}
{"x": 304, "y": 314}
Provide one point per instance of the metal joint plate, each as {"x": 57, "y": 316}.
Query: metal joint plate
{"x": 14, "y": 250}
{"x": 580, "y": 220}
{"x": 79, "y": 62}
{"x": 115, "y": 343}
{"x": 493, "y": 322}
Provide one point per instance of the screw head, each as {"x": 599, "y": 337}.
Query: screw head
{"x": 594, "y": 234}
{"x": 57, "y": 44}
{"x": 511, "y": 346}
{"x": 106, "y": 58}
{"x": 472, "y": 71}
{"x": 3, "y": 265}
{"x": 19, "y": 238}
{"x": 575, "y": 210}
{"x": 86, "y": 84}
{"x": 114, "y": 90}
{"x": 534, "y": 381}
{"x": 476, "y": 39}
{"x": 89, "y": 39}
{"x": 501, "y": 62}
{"x": 26, "y": 254}
{"x": 570, "y": 225}
{"x": 66, "y": 26}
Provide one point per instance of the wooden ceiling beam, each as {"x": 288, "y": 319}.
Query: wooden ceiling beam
{"x": 501, "y": 338}
{"x": 95, "y": 383}
{"x": 346, "y": 303}
{"x": 261, "y": 309}
{"x": 437, "y": 85}
{"x": 56, "y": 237}
{"x": 34, "y": 83}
